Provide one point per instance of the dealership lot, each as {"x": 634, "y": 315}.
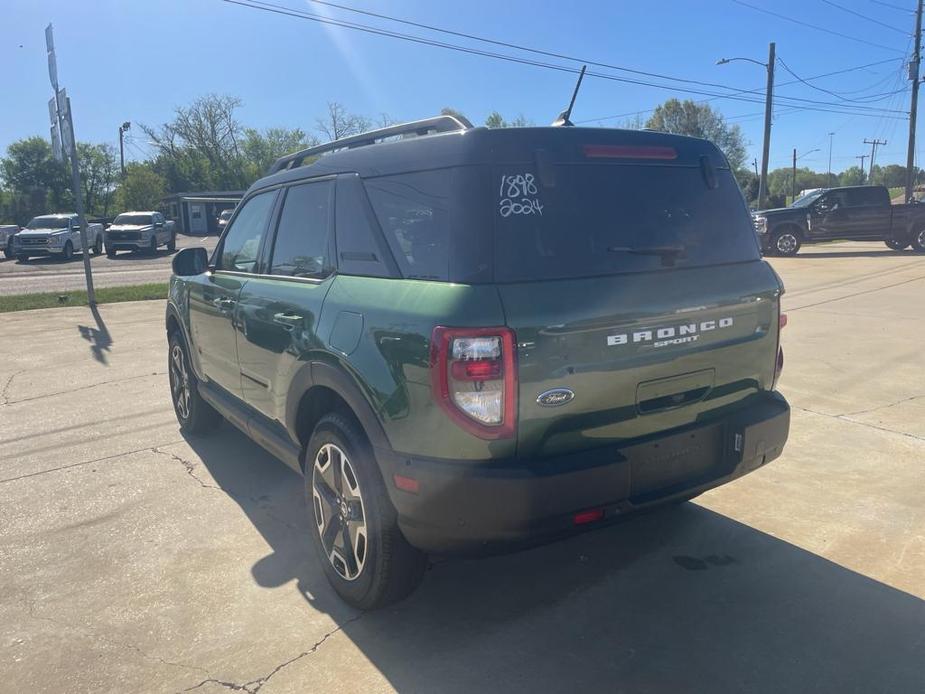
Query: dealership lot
{"x": 132, "y": 559}
{"x": 53, "y": 275}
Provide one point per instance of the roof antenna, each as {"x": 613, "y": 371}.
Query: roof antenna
{"x": 563, "y": 119}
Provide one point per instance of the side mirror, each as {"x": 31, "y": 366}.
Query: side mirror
{"x": 158, "y": 224}
{"x": 190, "y": 261}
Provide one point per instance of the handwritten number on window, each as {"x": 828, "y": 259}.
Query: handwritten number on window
{"x": 518, "y": 195}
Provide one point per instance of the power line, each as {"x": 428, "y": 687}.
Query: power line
{"x": 814, "y": 26}
{"x": 894, "y": 7}
{"x": 286, "y": 11}
{"x": 864, "y": 16}
{"x": 837, "y": 96}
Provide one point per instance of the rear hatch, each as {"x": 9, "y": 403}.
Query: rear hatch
{"x": 628, "y": 268}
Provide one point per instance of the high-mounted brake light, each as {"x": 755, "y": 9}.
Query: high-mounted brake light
{"x": 474, "y": 380}
{"x": 629, "y": 152}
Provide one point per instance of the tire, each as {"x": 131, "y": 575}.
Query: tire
{"x": 786, "y": 243}
{"x": 22, "y": 258}
{"x": 172, "y": 243}
{"x": 194, "y": 414}
{"x": 8, "y": 251}
{"x": 68, "y": 252}
{"x": 110, "y": 252}
{"x": 918, "y": 241}
{"x": 152, "y": 247}
{"x": 98, "y": 245}
{"x": 368, "y": 563}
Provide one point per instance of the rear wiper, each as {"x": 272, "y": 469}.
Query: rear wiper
{"x": 668, "y": 254}
{"x": 663, "y": 251}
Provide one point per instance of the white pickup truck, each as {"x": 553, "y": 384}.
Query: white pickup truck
{"x": 55, "y": 234}
{"x": 140, "y": 231}
{"x": 6, "y": 239}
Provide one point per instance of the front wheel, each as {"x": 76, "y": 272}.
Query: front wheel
{"x": 68, "y": 251}
{"x": 918, "y": 241}
{"x": 110, "y": 252}
{"x": 786, "y": 243}
{"x": 98, "y": 246}
{"x": 195, "y": 415}
{"x": 172, "y": 244}
{"x": 152, "y": 247}
{"x": 364, "y": 555}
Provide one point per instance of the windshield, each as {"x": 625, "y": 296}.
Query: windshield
{"x": 48, "y": 223}
{"x": 225, "y": 215}
{"x": 604, "y": 219}
{"x": 807, "y": 199}
{"x": 139, "y": 219}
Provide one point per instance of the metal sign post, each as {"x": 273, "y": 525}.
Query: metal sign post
{"x": 64, "y": 142}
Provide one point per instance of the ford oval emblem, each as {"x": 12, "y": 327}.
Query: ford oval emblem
{"x": 555, "y": 397}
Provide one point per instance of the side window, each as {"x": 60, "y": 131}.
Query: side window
{"x": 242, "y": 242}
{"x": 414, "y": 210}
{"x": 302, "y": 238}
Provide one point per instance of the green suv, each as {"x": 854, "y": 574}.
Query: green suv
{"x": 470, "y": 339}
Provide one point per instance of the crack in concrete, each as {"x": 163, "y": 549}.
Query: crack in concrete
{"x": 4, "y": 393}
{"x": 190, "y": 468}
{"x": 75, "y": 390}
{"x": 114, "y": 644}
{"x": 845, "y": 418}
{"x": 881, "y": 407}
{"x": 255, "y": 685}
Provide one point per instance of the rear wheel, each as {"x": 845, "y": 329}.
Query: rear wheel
{"x": 365, "y": 557}
{"x": 896, "y": 244}
{"x": 195, "y": 415}
{"x": 918, "y": 241}
{"x": 786, "y": 243}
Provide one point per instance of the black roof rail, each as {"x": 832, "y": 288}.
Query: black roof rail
{"x": 427, "y": 126}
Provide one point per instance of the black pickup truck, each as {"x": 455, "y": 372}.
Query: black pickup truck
{"x": 856, "y": 213}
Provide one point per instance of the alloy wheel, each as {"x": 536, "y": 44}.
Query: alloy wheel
{"x": 339, "y": 512}
{"x": 786, "y": 243}
{"x": 179, "y": 382}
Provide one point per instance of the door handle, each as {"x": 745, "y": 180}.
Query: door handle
{"x": 288, "y": 320}
{"x": 223, "y": 303}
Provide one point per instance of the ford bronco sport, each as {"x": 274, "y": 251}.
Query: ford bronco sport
{"x": 468, "y": 338}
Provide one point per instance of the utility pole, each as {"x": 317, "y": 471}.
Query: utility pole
{"x": 755, "y": 162}
{"x": 768, "y": 101}
{"x": 862, "y": 157}
{"x": 793, "y": 178}
{"x": 61, "y": 104}
{"x": 828, "y": 174}
{"x": 122, "y": 128}
{"x": 913, "y": 107}
{"x": 873, "y": 150}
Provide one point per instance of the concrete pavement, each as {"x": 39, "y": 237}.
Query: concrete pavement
{"x": 132, "y": 559}
{"x": 50, "y": 274}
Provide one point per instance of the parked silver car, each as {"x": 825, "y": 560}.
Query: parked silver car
{"x": 7, "y": 232}
{"x": 140, "y": 231}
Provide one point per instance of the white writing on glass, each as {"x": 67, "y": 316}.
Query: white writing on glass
{"x": 518, "y": 195}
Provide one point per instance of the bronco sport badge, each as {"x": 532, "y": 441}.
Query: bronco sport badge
{"x": 672, "y": 335}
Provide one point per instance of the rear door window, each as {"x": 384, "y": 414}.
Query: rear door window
{"x": 582, "y": 220}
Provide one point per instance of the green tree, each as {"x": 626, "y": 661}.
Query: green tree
{"x": 496, "y": 120}
{"x": 780, "y": 181}
{"x": 852, "y": 176}
{"x": 142, "y": 188}
{"x": 99, "y": 170}
{"x": 699, "y": 120}
{"x": 261, "y": 148}
{"x": 35, "y": 182}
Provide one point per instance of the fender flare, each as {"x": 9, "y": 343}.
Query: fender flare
{"x": 319, "y": 373}
{"x": 173, "y": 312}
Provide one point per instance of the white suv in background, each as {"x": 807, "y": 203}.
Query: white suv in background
{"x": 140, "y": 231}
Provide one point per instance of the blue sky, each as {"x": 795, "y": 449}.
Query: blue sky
{"x": 137, "y": 60}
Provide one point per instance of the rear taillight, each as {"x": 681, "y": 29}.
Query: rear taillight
{"x": 474, "y": 379}
{"x": 779, "y": 363}
{"x": 629, "y": 152}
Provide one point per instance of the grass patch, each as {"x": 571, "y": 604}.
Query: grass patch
{"x": 104, "y": 295}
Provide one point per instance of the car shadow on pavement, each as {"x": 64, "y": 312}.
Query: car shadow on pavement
{"x": 99, "y": 338}
{"x": 683, "y": 599}
{"x": 885, "y": 253}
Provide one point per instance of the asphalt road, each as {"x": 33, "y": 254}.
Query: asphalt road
{"x": 133, "y": 559}
{"x": 52, "y": 275}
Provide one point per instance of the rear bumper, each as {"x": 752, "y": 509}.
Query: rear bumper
{"x": 467, "y": 506}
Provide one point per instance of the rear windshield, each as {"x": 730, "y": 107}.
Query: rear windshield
{"x": 585, "y": 219}
{"x": 139, "y": 219}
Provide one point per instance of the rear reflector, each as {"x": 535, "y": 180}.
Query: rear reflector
{"x": 589, "y": 516}
{"x": 407, "y": 484}
{"x": 629, "y": 152}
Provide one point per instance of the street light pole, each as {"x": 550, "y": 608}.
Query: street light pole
{"x": 122, "y": 128}
{"x": 768, "y": 108}
{"x": 793, "y": 178}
